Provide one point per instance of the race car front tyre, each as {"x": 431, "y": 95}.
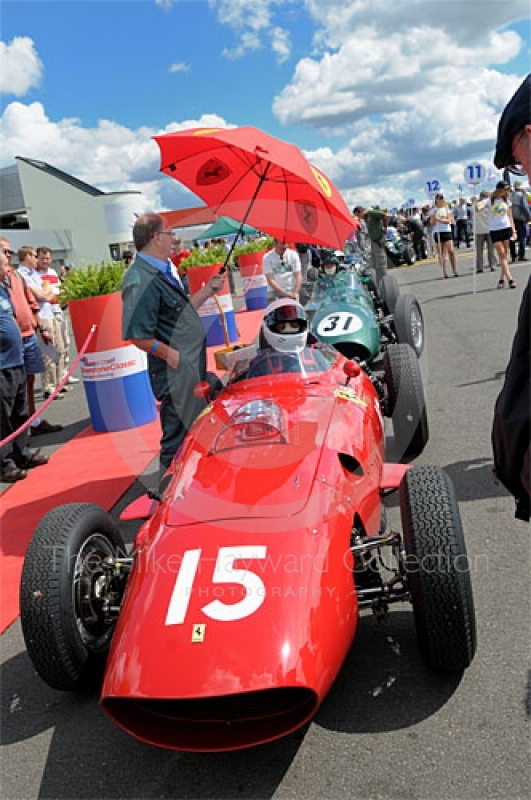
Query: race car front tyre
{"x": 437, "y": 569}
{"x": 66, "y": 631}
{"x": 409, "y": 322}
{"x": 406, "y": 404}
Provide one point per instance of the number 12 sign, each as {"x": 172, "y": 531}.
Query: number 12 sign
{"x": 433, "y": 187}
{"x": 475, "y": 173}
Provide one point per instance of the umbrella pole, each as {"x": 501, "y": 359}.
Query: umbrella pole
{"x": 242, "y": 223}
{"x": 223, "y": 321}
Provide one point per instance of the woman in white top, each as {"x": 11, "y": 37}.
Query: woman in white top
{"x": 441, "y": 219}
{"x": 501, "y": 228}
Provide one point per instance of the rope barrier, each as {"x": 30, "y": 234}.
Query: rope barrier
{"x": 54, "y": 394}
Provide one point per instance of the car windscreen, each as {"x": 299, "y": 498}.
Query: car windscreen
{"x": 310, "y": 360}
{"x": 338, "y": 284}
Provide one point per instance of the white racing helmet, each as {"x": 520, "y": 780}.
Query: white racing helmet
{"x": 285, "y": 326}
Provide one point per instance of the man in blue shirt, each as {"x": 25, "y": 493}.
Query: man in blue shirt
{"x": 15, "y": 456}
{"x": 160, "y": 319}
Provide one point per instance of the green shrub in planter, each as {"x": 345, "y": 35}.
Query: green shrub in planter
{"x": 256, "y": 246}
{"x": 92, "y": 281}
{"x": 200, "y": 258}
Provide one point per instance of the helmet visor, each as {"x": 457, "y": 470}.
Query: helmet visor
{"x": 287, "y": 319}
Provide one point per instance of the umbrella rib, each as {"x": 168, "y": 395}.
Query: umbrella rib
{"x": 255, "y": 195}
{"x": 333, "y": 220}
{"x": 175, "y": 161}
{"x": 285, "y": 181}
{"x": 249, "y": 168}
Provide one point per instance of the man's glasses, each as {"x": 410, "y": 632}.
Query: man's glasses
{"x": 516, "y": 169}
{"x": 166, "y": 233}
{"x": 7, "y": 252}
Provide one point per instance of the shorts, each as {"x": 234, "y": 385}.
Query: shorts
{"x": 443, "y": 237}
{"x": 33, "y": 360}
{"x": 501, "y": 236}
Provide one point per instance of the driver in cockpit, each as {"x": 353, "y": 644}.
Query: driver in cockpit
{"x": 286, "y": 344}
{"x": 330, "y": 267}
{"x": 285, "y": 326}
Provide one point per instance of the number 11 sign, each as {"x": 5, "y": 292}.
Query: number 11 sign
{"x": 475, "y": 173}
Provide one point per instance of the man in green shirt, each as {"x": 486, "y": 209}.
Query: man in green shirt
{"x": 376, "y": 220}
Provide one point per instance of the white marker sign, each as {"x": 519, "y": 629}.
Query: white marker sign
{"x": 475, "y": 173}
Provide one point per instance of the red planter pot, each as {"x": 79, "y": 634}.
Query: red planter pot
{"x": 209, "y": 311}
{"x": 114, "y": 371}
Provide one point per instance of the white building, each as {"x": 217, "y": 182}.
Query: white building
{"x": 42, "y": 205}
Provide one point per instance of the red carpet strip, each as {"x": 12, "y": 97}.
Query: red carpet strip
{"x": 92, "y": 467}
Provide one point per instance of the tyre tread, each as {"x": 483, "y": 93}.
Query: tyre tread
{"x": 40, "y": 601}
{"x": 407, "y": 404}
{"x": 442, "y": 600}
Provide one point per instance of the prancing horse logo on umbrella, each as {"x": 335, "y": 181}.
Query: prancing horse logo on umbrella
{"x": 307, "y": 214}
{"x": 212, "y": 171}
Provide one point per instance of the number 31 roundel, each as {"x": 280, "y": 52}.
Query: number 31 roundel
{"x": 338, "y": 323}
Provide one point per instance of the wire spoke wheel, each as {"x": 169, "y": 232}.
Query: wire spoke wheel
{"x": 88, "y": 589}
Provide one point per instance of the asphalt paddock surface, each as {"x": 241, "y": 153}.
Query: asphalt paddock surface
{"x": 389, "y": 728}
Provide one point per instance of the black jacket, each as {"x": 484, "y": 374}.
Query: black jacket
{"x": 510, "y": 428}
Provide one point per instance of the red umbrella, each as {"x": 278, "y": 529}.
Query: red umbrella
{"x": 250, "y": 176}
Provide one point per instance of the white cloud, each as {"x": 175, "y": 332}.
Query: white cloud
{"x": 109, "y": 156}
{"x": 251, "y": 21}
{"x": 281, "y": 44}
{"x": 241, "y": 14}
{"x": 249, "y": 42}
{"x": 20, "y": 66}
{"x": 364, "y": 78}
{"x": 411, "y": 87}
{"x": 179, "y": 66}
{"x": 465, "y": 22}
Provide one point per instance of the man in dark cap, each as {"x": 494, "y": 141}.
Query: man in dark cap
{"x": 511, "y": 426}
{"x": 513, "y": 146}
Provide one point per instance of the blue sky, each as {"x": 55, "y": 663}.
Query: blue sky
{"x": 382, "y": 96}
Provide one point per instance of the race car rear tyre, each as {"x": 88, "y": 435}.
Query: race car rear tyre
{"x": 372, "y": 281}
{"x": 66, "y": 634}
{"x": 389, "y": 292}
{"x": 437, "y": 569}
{"x": 409, "y": 322}
{"x": 409, "y": 256}
{"x": 406, "y": 404}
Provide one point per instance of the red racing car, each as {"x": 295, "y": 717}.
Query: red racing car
{"x": 227, "y": 624}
